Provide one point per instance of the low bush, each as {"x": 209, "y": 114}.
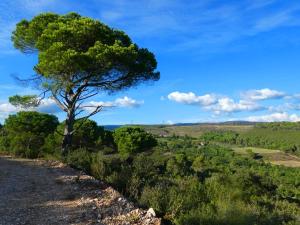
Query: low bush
{"x": 25, "y": 133}
{"x": 131, "y": 140}
{"x": 81, "y": 159}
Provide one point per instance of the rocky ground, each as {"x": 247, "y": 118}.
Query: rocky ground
{"x": 37, "y": 192}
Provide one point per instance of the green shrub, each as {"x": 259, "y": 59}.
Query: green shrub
{"x": 179, "y": 165}
{"x": 87, "y": 135}
{"x": 155, "y": 197}
{"x": 99, "y": 168}
{"x": 199, "y": 164}
{"x": 51, "y": 144}
{"x": 81, "y": 159}
{"x": 33, "y": 122}
{"x": 131, "y": 140}
{"x": 24, "y": 134}
{"x": 27, "y": 145}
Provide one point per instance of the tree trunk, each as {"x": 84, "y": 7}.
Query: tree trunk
{"x": 68, "y": 133}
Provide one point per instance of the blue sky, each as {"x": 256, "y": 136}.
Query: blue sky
{"x": 219, "y": 60}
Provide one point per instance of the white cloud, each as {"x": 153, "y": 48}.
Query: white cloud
{"x": 6, "y": 109}
{"x": 47, "y": 106}
{"x": 192, "y": 99}
{"x": 213, "y": 102}
{"x": 228, "y": 105}
{"x": 262, "y": 94}
{"x": 119, "y": 102}
{"x": 295, "y": 96}
{"x": 275, "y": 117}
{"x": 127, "y": 102}
{"x": 170, "y": 122}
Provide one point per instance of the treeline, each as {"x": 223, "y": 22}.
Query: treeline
{"x": 33, "y": 135}
{"x": 186, "y": 183}
{"x": 279, "y": 125}
{"x": 264, "y": 136}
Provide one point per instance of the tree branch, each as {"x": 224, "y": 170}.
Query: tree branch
{"x": 59, "y": 103}
{"x": 85, "y": 118}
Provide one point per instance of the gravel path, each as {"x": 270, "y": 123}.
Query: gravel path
{"x": 37, "y": 193}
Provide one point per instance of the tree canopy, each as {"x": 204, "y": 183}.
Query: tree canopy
{"x": 32, "y": 122}
{"x": 24, "y": 133}
{"x": 75, "y": 50}
{"x": 25, "y": 101}
{"x": 131, "y": 140}
{"x": 78, "y": 57}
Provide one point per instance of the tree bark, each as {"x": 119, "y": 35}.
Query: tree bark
{"x": 68, "y": 133}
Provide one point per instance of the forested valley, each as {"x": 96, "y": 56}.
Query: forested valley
{"x": 186, "y": 180}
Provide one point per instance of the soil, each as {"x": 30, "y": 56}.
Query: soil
{"x": 37, "y": 192}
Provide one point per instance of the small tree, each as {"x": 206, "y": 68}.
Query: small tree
{"x": 78, "y": 57}
{"x": 88, "y": 134}
{"x": 26, "y": 101}
{"x": 25, "y": 132}
{"x": 130, "y": 140}
{"x": 33, "y": 122}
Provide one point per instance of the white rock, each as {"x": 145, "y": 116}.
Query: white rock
{"x": 151, "y": 213}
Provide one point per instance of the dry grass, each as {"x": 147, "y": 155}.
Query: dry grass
{"x": 290, "y": 163}
{"x": 275, "y": 157}
{"x": 194, "y": 130}
{"x": 243, "y": 150}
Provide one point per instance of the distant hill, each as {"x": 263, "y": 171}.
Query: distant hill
{"x": 243, "y": 123}
{"x": 219, "y": 123}
{"x": 111, "y": 127}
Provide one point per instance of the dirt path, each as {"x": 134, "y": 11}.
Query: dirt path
{"x": 34, "y": 192}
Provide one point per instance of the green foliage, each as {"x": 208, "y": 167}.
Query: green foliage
{"x": 83, "y": 48}
{"x": 199, "y": 164}
{"x": 102, "y": 166}
{"x": 282, "y": 136}
{"x": 26, "y": 144}
{"x": 81, "y": 159}
{"x": 210, "y": 185}
{"x": 178, "y": 165}
{"x": 79, "y": 57}
{"x": 279, "y": 125}
{"x": 87, "y": 135}
{"x": 131, "y": 140}
{"x": 220, "y": 136}
{"x": 286, "y": 140}
{"x": 186, "y": 183}
{"x": 34, "y": 122}
{"x": 25, "y": 101}
{"x": 24, "y": 134}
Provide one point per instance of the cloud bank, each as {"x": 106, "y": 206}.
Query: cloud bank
{"x": 274, "y": 117}
{"x": 192, "y": 99}
{"x": 49, "y": 106}
{"x": 262, "y": 94}
{"x": 250, "y": 101}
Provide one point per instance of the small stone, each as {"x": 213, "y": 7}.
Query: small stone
{"x": 151, "y": 213}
